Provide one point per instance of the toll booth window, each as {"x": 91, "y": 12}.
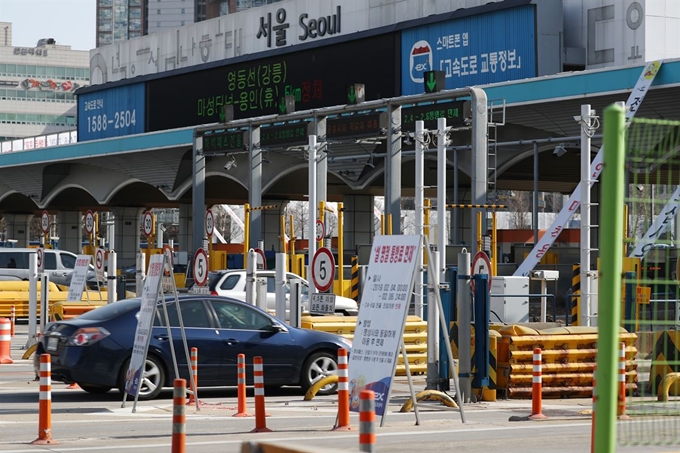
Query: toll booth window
{"x": 68, "y": 261}
{"x": 50, "y": 261}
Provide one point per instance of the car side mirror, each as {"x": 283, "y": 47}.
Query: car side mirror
{"x": 278, "y": 327}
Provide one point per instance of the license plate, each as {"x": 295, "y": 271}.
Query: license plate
{"x": 52, "y": 343}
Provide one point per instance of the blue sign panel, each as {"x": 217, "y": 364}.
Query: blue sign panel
{"x": 111, "y": 113}
{"x": 475, "y": 50}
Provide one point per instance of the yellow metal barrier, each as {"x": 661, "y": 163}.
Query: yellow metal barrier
{"x": 415, "y": 337}
{"x": 429, "y": 395}
{"x": 569, "y": 357}
{"x": 16, "y": 293}
{"x": 318, "y": 385}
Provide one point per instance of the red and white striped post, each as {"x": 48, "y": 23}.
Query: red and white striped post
{"x": 194, "y": 371}
{"x": 621, "y": 408}
{"x": 537, "y": 387}
{"x": 5, "y": 341}
{"x": 179, "y": 417}
{"x": 45, "y": 405}
{"x": 260, "y": 414}
{"x": 241, "y": 377}
{"x": 367, "y": 421}
{"x": 343, "y": 392}
{"x": 13, "y": 318}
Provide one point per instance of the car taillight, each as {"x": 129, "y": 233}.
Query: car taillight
{"x": 214, "y": 293}
{"x": 88, "y": 336}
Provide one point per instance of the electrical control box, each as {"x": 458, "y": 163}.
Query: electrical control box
{"x": 509, "y": 299}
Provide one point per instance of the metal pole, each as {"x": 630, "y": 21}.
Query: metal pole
{"x": 420, "y": 202}
{"x": 442, "y": 232}
{"x": 534, "y": 208}
{"x": 111, "y": 274}
{"x": 454, "y": 213}
{"x": 611, "y": 247}
{"x": 45, "y": 299}
{"x": 280, "y": 281}
{"x": 197, "y": 195}
{"x": 312, "y": 211}
{"x": 585, "y": 215}
{"x": 464, "y": 331}
{"x": 295, "y": 295}
{"x": 480, "y": 152}
{"x": 251, "y": 277}
{"x": 139, "y": 272}
{"x": 432, "y": 325}
{"x": 341, "y": 250}
{"x": 32, "y": 299}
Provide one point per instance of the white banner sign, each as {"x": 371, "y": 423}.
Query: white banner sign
{"x": 658, "y": 228}
{"x": 384, "y": 305}
{"x": 543, "y": 245}
{"x": 144, "y": 324}
{"x": 79, "y": 278}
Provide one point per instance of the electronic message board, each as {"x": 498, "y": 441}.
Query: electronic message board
{"x": 317, "y": 78}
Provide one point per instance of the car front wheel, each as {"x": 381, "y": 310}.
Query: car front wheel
{"x": 152, "y": 378}
{"x": 316, "y": 367}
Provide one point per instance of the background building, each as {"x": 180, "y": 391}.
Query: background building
{"x": 37, "y": 86}
{"x": 120, "y": 20}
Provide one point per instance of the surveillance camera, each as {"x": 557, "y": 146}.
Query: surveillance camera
{"x": 228, "y": 165}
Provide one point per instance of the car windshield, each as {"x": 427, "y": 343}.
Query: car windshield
{"x": 111, "y": 310}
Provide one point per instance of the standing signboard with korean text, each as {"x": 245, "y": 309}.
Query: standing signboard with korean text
{"x": 79, "y": 278}
{"x": 144, "y": 324}
{"x": 384, "y": 305}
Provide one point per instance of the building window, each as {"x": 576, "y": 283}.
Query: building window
{"x": 158, "y": 11}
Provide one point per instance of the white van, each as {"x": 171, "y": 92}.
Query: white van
{"x": 59, "y": 265}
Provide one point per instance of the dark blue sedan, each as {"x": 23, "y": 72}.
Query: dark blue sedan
{"x": 94, "y": 349}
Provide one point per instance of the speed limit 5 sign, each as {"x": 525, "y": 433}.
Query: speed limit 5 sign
{"x": 323, "y": 269}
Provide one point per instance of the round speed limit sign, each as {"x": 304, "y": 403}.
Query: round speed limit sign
{"x": 45, "y": 222}
{"x": 209, "y": 223}
{"x": 323, "y": 269}
{"x": 200, "y": 267}
{"x": 320, "y": 230}
{"x": 89, "y": 222}
{"x": 148, "y": 223}
{"x": 41, "y": 259}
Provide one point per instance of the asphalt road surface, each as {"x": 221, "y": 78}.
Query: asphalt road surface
{"x": 83, "y": 422}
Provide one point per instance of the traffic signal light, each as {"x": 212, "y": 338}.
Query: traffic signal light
{"x": 434, "y": 81}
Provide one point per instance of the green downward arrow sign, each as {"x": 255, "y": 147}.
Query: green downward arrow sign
{"x": 351, "y": 96}
{"x": 282, "y": 105}
{"x": 431, "y": 82}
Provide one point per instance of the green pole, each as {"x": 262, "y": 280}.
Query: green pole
{"x": 611, "y": 247}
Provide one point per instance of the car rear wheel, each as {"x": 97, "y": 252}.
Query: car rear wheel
{"x": 153, "y": 378}
{"x": 316, "y": 367}
{"x": 91, "y": 388}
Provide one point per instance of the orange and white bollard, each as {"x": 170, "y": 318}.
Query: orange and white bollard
{"x": 260, "y": 414}
{"x": 45, "y": 407}
{"x": 179, "y": 417}
{"x": 241, "y": 377}
{"x": 621, "y": 407}
{"x": 343, "y": 392}
{"x": 367, "y": 421}
{"x": 5, "y": 341}
{"x": 537, "y": 387}
{"x": 13, "y": 319}
{"x": 194, "y": 371}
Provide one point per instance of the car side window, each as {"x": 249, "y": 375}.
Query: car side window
{"x": 230, "y": 282}
{"x": 193, "y": 314}
{"x": 50, "y": 261}
{"x": 14, "y": 260}
{"x": 68, "y": 261}
{"x": 239, "y": 317}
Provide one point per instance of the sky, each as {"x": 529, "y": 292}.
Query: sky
{"x": 69, "y": 22}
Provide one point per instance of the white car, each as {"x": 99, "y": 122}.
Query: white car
{"x": 232, "y": 283}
